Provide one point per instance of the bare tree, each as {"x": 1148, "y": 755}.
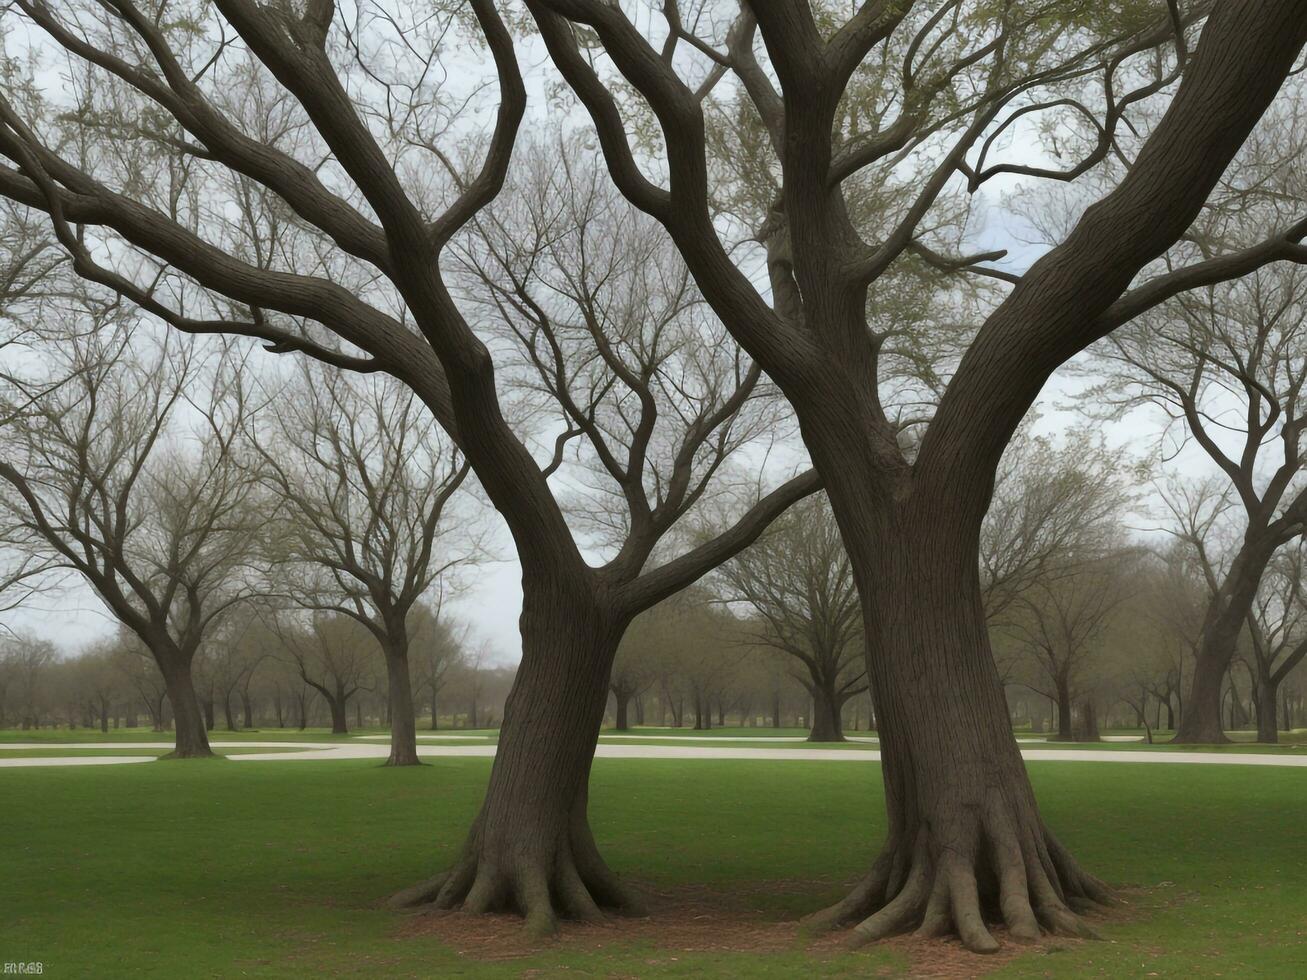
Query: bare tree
{"x": 435, "y": 647}
{"x": 1229, "y": 365}
{"x": 1062, "y": 623}
{"x": 901, "y": 96}
{"x": 844, "y": 100}
{"x": 364, "y": 478}
{"x": 1278, "y": 627}
{"x": 797, "y": 581}
{"x": 160, "y": 522}
{"x": 330, "y": 656}
{"x": 291, "y": 199}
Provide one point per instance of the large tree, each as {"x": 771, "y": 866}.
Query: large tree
{"x": 276, "y": 171}
{"x": 877, "y": 113}
{"x": 847, "y": 103}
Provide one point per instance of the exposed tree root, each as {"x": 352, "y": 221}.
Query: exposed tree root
{"x": 571, "y": 881}
{"x": 971, "y": 870}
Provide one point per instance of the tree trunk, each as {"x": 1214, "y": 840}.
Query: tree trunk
{"x": 1088, "y": 723}
{"x": 247, "y": 709}
{"x": 403, "y": 722}
{"x": 104, "y": 719}
{"x": 1224, "y": 622}
{"x": 776, "y": 711}
{"x": 434, "y": 724}
{"x": 226, "y": 712}
{"x": 530, "y": 849}
{"x": 339, "y": 716}
{"x": 622, "y": 697}
{"x": 192, "y": 740}
{"x": 1065, "y": 729}
{"x": 965, "y": 833}
{"x": 1267, "y": 701}
{"x": 208, "y": 714}
{"x": 826, "y": 722}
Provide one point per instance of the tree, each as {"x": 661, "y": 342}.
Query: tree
{"x": 330, "y": 657}
{"x": 1229, "y": 364}
{"x": 797, "y": 581}
{"x": 866, "y": 95}
{"x": 27, "y": 667}
{"x": 435, "y": 647}
{"x": 1063, "y": 621}
{"x": 271, "y": 248}
{"x": 930, "y": 94}
{"x": 364, "y": 479}
{"x": 159, "y": 521}
{"x": 1277, "y": 625}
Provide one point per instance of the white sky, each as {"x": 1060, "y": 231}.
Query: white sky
{"x": 492, "y": 601}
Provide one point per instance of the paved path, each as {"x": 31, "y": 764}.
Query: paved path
{"x": 361, "y": 749}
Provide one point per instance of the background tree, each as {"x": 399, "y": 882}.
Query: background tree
{"x": 159, "y": 521}
{"x": 1277, "y": 628}
{"x": 364, "y": 479}
{"x": 436, "y": 646}
{"x": 331, "y": 654}
{"x": 797, "y": 582}
{"x": 1228, "y": 365}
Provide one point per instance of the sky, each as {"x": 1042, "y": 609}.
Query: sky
{"x": 491, "y": 601}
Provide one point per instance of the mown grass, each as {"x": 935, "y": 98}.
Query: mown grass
{"x": 276, "y": 870}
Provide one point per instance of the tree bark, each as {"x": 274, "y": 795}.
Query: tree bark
{"x": 339, "y": 715}
{"x": 530, "y": 848}
{"x": 623, "y": 699}
{"x": 827, "y": 725}
{"x": 965, "y": 833}
{"x": 192, "y": 739}
{"x": 403, "y": 721}
{"x": 1065, "y": 729}
{"x": 1224, "y": 622}
{"x": 434, "y": 723}
{"x": 1267, "y": 702}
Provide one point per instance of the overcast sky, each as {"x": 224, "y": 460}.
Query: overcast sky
{"x": 492, "y": 602}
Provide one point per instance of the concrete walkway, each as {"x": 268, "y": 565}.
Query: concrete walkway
{"x": 372, "y": 749}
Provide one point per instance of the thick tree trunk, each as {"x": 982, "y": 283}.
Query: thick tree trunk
{"x": 826, "y": 721}
{"x": 622, "y": 698}
{"x": 1267, "y": 701}
{"x": 339, "y": 715}
{"x": 192, "y": 740}
{"x": 965, "y": 834}
{"x": 530, "y": 849}
{"x": 1088, "y": 723}
{"x": 403, "y": 722}
{"x": 1224, "y": 622}
{"x": 1065, "y": 727}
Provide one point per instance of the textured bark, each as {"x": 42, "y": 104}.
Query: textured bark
{"x": 827, "y": 725}
{"x": 1267, "y": 701}
{"x": 530, "y": 849}
{"x": 403, "y": 722}
{"x": 966, "y": 840}
{"x": 192, "y": 739}
{"x": 1226, "y": 615}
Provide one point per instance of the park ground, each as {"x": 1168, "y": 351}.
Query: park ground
{"x": 212, "y": 868}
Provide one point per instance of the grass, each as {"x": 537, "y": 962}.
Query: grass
{"x": 183, "y": 869}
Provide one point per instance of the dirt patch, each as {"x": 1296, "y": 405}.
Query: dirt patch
{"x": 699, "y": 919}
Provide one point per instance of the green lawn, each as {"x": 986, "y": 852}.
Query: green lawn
{"x": 226, "y": 869}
